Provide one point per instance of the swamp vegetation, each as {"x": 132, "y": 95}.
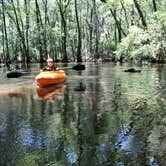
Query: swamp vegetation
{"x": 84, "y": 30}
{"x": 100, "y": 116}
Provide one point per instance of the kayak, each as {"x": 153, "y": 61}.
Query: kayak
{"x": 46, "y": 78}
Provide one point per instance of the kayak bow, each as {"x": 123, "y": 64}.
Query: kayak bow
{"x": 47, "y": 78}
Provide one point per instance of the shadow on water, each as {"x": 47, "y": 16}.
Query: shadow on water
{"x": 80, "y": 88}
{"x": 101, "y": 116}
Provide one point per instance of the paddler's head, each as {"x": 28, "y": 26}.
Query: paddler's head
{"x": 50, "y": 62}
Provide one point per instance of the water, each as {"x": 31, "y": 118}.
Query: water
{"x": 100, "y": 116}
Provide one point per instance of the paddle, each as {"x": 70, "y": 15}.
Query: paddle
{"x": 16, "y": 74}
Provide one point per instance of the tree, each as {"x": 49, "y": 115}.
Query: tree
{"x": 154, "y": 5}
{"x": 33, "y": 29}
{"x": 62, "y": 5}
{"x": 17, "y": 20}
{"x": 79, "y": 45}
{"x": 96, "y": 29}
{"x": 7, "y": 58}
{"x": 39, "y": 24}
{"x": 118, "y": 24}
{"x": 140, "y": 13}
{"x": 27, "y": 10}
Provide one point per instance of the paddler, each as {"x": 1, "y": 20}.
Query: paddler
{"x": 50, "y": 65}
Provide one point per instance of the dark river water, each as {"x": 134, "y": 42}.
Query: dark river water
{"x": 101, "y": 116}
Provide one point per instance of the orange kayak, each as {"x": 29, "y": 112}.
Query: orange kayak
{"x": 47, "y": 78}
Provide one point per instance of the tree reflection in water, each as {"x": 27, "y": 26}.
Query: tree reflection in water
{"x": 102, "y": 116}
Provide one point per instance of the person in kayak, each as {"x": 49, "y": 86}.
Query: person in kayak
{"x": 50, "y": 65}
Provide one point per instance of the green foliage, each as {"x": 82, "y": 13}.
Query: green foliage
{"x": 30, "y": 159}
{"x": 157, "y": 32}
{"x": 145, "y": 45}
{"x": 107, "y": 46}
{"x": 98, "y": 26}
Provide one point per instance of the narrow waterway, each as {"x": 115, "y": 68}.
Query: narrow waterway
{"x": 100, "y": 116}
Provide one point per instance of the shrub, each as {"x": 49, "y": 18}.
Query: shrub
{"x": 145, "y": 45}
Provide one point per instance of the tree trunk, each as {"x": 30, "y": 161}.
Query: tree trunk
{"x": 96, "y": 31}
{"x": 154, "y": 5}
{"x": 21, "y": 34}
{"x": 140, "y": 13}
{"x": 118, "y": 24}
{"x": 125, "y": 12}
{"x": 26, "y": 4}
{"x": 91, "y": 33}
{"x": 115, "y": 35}
{"x": 64, "y": 39}
{"x": 79, "y": 45}
{"x": 132, "y": 16}
{"x": 39, "y": 38}
{"x": 45, "y": 26}
{"x": 7, "y": 58}
{"x": 62, "y": 9}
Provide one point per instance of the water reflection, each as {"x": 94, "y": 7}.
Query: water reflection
{"x": 80, "y": 88}
{"x": 101, "y": 116}
{"x": 49, "y": 92}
